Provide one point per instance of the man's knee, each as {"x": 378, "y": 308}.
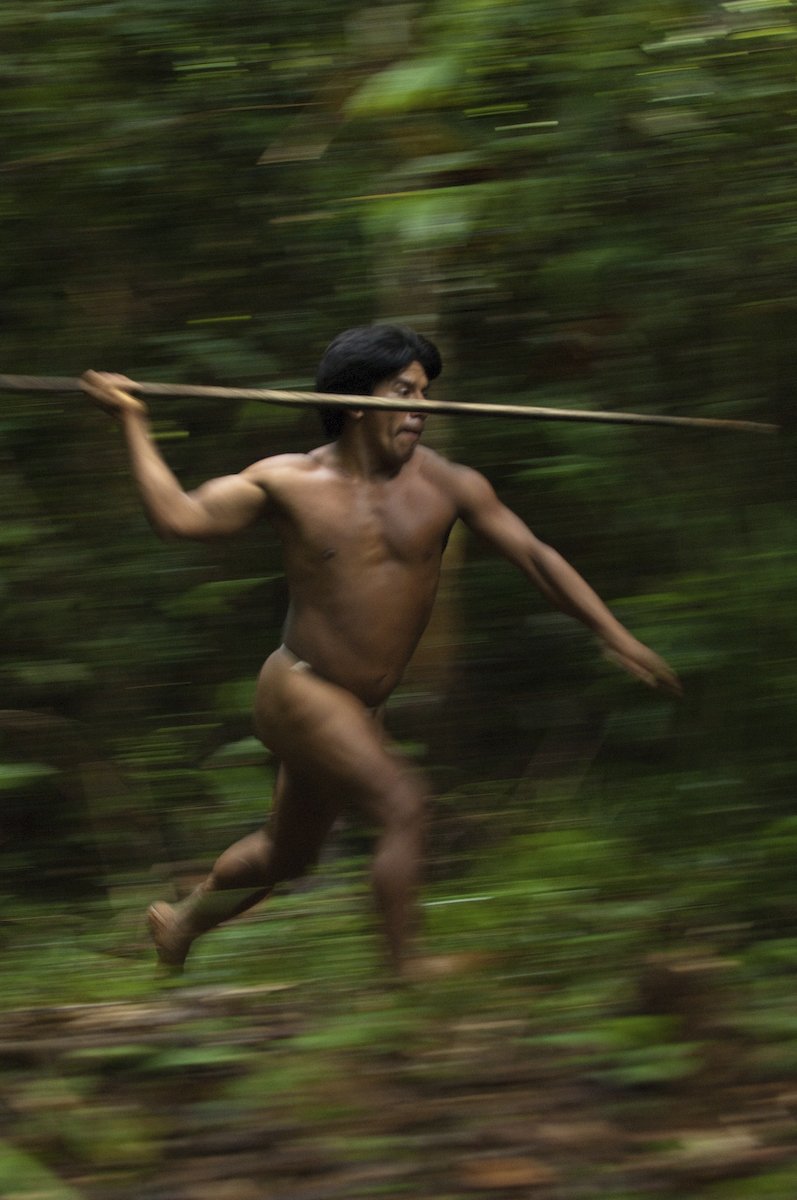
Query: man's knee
{"x": 404, "y": 804}
{"x": 245, "y": 869}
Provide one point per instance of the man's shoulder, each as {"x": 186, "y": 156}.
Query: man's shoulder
{"x": 279, "y": 465}
{"x": 444, "y": 470}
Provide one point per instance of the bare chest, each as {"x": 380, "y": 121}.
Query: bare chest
{"x": 368, "y": 525}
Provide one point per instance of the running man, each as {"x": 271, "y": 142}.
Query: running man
{"x": 363, "y": 521}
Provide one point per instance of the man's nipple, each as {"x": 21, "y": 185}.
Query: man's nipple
{"x": 328, "y": 553}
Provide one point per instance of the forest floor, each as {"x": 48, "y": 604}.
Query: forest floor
{"x": 339, "y": 1086}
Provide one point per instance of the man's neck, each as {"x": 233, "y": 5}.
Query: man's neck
{"x": 356, "y": 458}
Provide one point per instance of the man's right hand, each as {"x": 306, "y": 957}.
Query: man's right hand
{"x": 110, "y": 392}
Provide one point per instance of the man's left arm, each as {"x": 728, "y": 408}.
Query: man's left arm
{"x": 561, "y": 584}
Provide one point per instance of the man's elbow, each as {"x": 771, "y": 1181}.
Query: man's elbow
{"x": 545, "y": 557}
{"x": 169, "y": 527}
{"x": 163, "y": 530}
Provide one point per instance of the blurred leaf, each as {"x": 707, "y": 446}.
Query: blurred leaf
{"x": 22, "y": 1175}
{"x": 210, "y": 599}
{"x": 439, "y": 217}
{"x": 20, "y": 775}
{"x": 425, "y": 83}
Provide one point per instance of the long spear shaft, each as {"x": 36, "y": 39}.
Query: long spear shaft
{"x": 50, "y": 383}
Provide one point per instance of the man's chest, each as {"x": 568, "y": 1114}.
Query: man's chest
{"x": 369, "y": 524}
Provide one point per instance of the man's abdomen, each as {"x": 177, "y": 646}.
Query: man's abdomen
{"x": 362, "y": 642}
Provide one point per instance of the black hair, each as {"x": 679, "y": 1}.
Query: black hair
{"x": 359, "y": 359}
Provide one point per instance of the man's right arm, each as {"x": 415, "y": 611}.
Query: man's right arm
{"x": 218, "y": 508}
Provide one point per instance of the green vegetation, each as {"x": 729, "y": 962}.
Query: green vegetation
{"x": 588, "y": 206}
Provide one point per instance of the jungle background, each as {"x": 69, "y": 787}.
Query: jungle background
{"x": 586, "y": 206}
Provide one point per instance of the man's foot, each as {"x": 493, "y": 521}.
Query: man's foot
{"x": 171, "y": 942}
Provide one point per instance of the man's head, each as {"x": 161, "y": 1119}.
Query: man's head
{"x": 359, "y": 359}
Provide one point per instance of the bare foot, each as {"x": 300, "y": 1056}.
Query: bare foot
{"x": 171, "y": 944}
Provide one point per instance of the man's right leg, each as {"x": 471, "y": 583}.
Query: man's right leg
{"x": 287, "y": 847}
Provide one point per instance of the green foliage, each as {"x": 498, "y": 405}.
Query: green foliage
{"x": 23, "y": 1175}
{"x": 641, "y": 1052}
{"x": 773, "y": 1185}
{"x": 20, "y": 775}
{"x": 628, "y": 1052}
{"x": 590, "y": 206}
{"x": 426, "y": 83}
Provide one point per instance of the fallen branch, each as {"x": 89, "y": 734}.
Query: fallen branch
{"x": 48, "y": 383}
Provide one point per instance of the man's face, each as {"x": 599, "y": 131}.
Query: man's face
{"x": 396, "y": 434}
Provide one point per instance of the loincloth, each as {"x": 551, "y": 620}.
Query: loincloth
{"x": 299, "y": 665}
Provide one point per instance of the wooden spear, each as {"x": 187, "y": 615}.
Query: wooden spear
{"x": 49, "y": 383}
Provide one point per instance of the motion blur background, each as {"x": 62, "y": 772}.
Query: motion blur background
{"x": 584, "y": 209}
{"x": 586, "y": 205}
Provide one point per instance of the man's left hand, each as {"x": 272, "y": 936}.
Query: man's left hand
{"x": 644, "y": 664}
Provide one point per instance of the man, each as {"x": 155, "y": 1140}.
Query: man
{"x": 363, "y": 522}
